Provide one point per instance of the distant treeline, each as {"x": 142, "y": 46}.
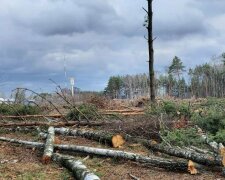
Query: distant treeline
{"x": 201, "y": 81}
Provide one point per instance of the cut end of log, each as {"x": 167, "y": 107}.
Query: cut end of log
{"x": 46, "y": 159}
{"x": 153, "y": 142}
{"x": 57, "y": 140}
{"x": 191, "y": 167}
{"x": 222, "y": 153}
{"x": 117, "y": 141}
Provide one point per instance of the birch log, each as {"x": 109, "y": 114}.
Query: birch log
{"x": 58, "y": 124}
{"x": 204, "y": 159}
{"x": 114, "y": 140}
{"x": 148, "y": 160}
{"x": 79, "y": 170}
{"x": 154, "y": 161}
{"x": 217, "y": 147}
{"x": 49, "y": 146}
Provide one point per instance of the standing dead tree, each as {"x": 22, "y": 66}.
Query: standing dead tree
{"x": 149, "y": 26}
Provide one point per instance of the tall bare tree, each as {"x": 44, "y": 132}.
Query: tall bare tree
{"x": 149, "y": 25}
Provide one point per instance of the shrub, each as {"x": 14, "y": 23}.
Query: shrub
{"x": 220, "y": 136}
{"x": 210, "y": 119}
{"x": 170, "y": 108}
{"x": 5, "y": 110}
{"x": 83, "y": 111}
{"x": 16, "y": 109}
{"x": 182, "y": 137}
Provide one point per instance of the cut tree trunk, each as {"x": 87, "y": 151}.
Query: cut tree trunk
{"x": 114, "y": 140}
{"x": 217, "y": 147}
{"x": 151, "y": 160}
{"x": 49, "y": 146}
{"x": 201, "y": 158}
{"x": 124, "y": 113}
{"x": 214, "y": 145}
{"x": 58, "y": 124}
{"x": 204, "y": 159}
{"x": 79, "y": 170}
{"x": 33, "y": 116}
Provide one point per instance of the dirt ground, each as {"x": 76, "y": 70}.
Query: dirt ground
{"x": 18, "y": 162}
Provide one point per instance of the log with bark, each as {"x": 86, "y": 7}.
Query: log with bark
{"x": 32, "y": 116}
{"x": 49, "y": 146}
{"x": 147, "y": 160}
{"x": 58, "y": 124}
{"x": 114, "y": 140}
{"x": 124, "y": 113}
{"x": 79, "y": 170}
{"x": 204, "y": 159}
{"x": 217, "y": 147}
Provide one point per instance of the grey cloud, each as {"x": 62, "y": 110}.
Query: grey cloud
{"x": 69, "y": 17}
{"x": 210, "y": 7}
{"x": 98, "y": 38}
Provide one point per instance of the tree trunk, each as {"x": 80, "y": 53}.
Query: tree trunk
{"x": 147, "y": 160}
{"x": 57, "y": 124}
{"x": 150, "y": 160}
{"x": 49, "y": 146}
{"x": 103, "y": 137}
{"x": 173, "y": 151}
{"x": 79, "y": 170}
{"x": 32, "y": 116}
{"x": 151, "y": 51}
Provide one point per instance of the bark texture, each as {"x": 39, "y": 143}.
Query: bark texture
{"x": 33, "y": 116}
{"x": 204, "y": 159}
{"x": 102, "y": 137}
{"x": 58, "y": 124}
{"x": 49, "y": 146}
{"x": 78, "y": 169}
{"x": 150, "y": 160}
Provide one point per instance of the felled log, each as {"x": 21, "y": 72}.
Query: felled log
{"x": 32, "y": 116}
{"x": 122, "y": 110}
{"x": 114, "y": 140}
{"x": 23, "y": 129}
{"x": 124, "y": 113}
{"x": 49, "y": 146}
{"x": 58, "y": 124}
{"x": 150, "y": 160}
{"x": 204, "y": 159}
{"x": 214, "y": 145}
{"x": 79, "y": 170}
{"x": 217, "y": 147}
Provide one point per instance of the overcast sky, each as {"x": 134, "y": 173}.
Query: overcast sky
{"x": 100, "y": 38}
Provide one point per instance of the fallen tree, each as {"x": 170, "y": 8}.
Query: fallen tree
{"x": 123, "y": 113}
{"x": 32, "y": 116}
{"x": 204, "y": 159}
{"x": 57, "y": 124}
{"x": 78, "y": 169}
{"x": 49, "y": 146}
{"x": 114, "y": 140}
{"x": 150, "y": 160}
{"x": 201, "y": 158}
